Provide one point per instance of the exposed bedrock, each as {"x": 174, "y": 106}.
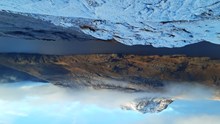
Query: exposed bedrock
{"x": 114, "y": 71}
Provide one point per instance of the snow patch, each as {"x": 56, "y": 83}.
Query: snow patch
{"x": 161, "y": 23}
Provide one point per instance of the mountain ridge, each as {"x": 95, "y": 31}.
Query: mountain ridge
{"x": 128, "y": 72}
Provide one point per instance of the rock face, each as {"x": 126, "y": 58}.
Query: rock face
{"x": 148, "y": 105}
{"x": 161, "y": 23}
{"x": 32, "y": 35}
{"x": 10, "y": 75}
{"x": 117, "y": 71}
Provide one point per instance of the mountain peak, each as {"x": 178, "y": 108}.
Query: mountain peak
{"x": 148, "y": 105}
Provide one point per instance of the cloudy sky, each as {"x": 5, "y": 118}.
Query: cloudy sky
{"x": 25, "y": 103}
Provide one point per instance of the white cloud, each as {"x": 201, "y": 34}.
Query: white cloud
{"x": 203, "y": 119}
{"x": 175, "y": 119}
{"x": 25, "y": 100}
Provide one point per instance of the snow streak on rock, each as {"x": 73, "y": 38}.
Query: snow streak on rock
{"x": 148, "y": 105}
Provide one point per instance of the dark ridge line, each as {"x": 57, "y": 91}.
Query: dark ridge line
{"x": 201, "y": 49}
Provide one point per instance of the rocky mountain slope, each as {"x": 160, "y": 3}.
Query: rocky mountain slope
{"x": 161, "y": 23}
{"x": 116, "y": 71}
{"x": 32, "y": 35}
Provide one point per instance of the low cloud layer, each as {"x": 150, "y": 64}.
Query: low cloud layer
{"x": 25, "y": 102}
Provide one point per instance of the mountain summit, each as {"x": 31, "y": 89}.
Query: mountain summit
{"x": 148, "y": 105}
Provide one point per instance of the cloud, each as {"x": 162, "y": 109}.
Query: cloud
{"x": 185, "y": 90}
{"x": 203, "y": 119}
{"x": 174, "y": 119}
{"x": 25, "y": 99}
{"x": 28, "y": 101}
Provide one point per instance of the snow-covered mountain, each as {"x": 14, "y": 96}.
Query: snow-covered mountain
{"x": 161, "y": 23}
{"x": 148, "y": 105}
